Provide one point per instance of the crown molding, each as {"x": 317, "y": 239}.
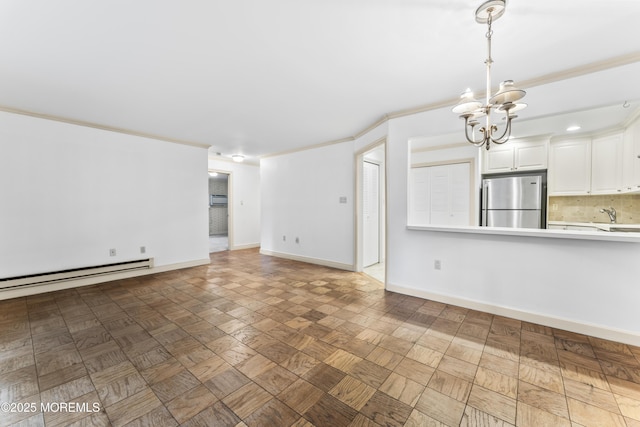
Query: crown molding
{"x": 101, "y": 127}
{"x": 537, "y": 81}
{"x": 371, "y": 127}
{"x": 441, "y": 147}
{"x": 582, "y": 70}
{"x": 309, "y": 147}
{"x": 632, "y": 118}
{"x": 219, "y": 158}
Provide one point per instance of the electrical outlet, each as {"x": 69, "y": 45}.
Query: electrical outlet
{"x": 112, "y": 252}
{"x": 437, "y": 264}
{"x": 297, "y": 240}
{"x": 143, "y": 249}
{"x": 284, "y": 238}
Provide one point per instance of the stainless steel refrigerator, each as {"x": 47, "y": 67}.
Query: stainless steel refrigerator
{"x": 517, "y": 201}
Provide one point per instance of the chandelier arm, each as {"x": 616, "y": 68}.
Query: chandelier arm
{"x": 506, "y": 134}
{"x": 466, "y": 134}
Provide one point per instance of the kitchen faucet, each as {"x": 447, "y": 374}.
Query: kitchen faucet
{"x": 611, "y": 212}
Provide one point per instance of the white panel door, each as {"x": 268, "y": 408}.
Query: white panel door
{"x": 460, "y": 213}
{"x": 439, "y": 208}
{"x": 371, "y": 213}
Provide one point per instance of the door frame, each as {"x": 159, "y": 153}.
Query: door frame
{"x": 229, "y": 202}
{"x": 358, "y": 212}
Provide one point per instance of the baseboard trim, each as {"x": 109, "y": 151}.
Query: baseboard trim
{"x": 317, "y": 261}
{"x": 247, "y": 246}
{"x": 75, "y": 283}
{"x": 593, "y": 330}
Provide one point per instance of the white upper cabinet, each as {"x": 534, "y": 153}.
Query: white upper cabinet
{"x": 515, "y": 156}
{"x": 606, "y": 164}
{"x": 570, "y": 167}
{"x": 631, "y": 161}
{"x": 589, "y": 166}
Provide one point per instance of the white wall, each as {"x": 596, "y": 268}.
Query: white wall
{"x": 301, "y": 198}
{"x": 245, "y": 199}
{"x": 69, "y": 193}
{"x": 586, "y": 286}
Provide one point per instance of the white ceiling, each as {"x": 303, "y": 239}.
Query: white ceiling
{"x": 260, "y": 77}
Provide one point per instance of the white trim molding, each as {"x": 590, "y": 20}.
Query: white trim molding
{"x": 245, "y": 246}
{"x": 599, "y": 331}
{"x": 102, "y": 127}
{"x": 309, "y": 260}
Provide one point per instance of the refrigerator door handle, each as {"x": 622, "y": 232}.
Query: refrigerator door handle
{"x": 485, "y": 198}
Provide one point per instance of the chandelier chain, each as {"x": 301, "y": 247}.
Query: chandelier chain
{"x": 488, "y": 35}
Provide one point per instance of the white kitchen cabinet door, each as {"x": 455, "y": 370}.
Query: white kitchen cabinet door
{"x": 516, "y": 155}
{"x": 498, "y": 159}
{"x": 532, "y": 156}
{"x": 570, "y": 167}
{"x": 631, "y": 158}
{"x": 606, "y": 164}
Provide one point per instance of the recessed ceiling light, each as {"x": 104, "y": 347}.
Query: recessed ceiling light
{"x": 573, "y": 128}
{"x": 237, "y": 158}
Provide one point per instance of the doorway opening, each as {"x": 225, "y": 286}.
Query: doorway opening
{"x": 219, "y": 211}
{"x": 371, "y": 211}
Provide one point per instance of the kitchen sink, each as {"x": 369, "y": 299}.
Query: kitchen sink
{"x": 624, "y": 229}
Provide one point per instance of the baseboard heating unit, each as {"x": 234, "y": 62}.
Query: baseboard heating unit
{"x": 74, "y": 274}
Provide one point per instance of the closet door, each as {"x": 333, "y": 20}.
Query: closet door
{"x": 440, "y": 195}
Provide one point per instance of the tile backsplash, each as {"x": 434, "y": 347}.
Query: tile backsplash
{"x": 587, "y": 208}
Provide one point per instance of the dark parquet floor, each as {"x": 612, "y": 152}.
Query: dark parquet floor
{"x": 251, "y": 340}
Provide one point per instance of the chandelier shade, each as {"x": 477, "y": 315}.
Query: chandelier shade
{"x": 467, "y": 103}
{"x": 508, "y": 92}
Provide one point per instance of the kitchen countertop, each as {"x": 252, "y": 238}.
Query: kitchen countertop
{"x": 530, "y": 232}
{"x": 604, "y": 226}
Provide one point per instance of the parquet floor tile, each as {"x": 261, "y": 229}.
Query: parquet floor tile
{"x": 252, "y": 340}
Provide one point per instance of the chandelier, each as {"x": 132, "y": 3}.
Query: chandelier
{"x": 504, "y": 101}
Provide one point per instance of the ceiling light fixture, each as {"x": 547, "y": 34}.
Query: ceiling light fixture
{"x": 573, "y": 128}
{"x": 503, "y": 101}
{"x": 213, "y": 173}
{"x": 237, "y": 158}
